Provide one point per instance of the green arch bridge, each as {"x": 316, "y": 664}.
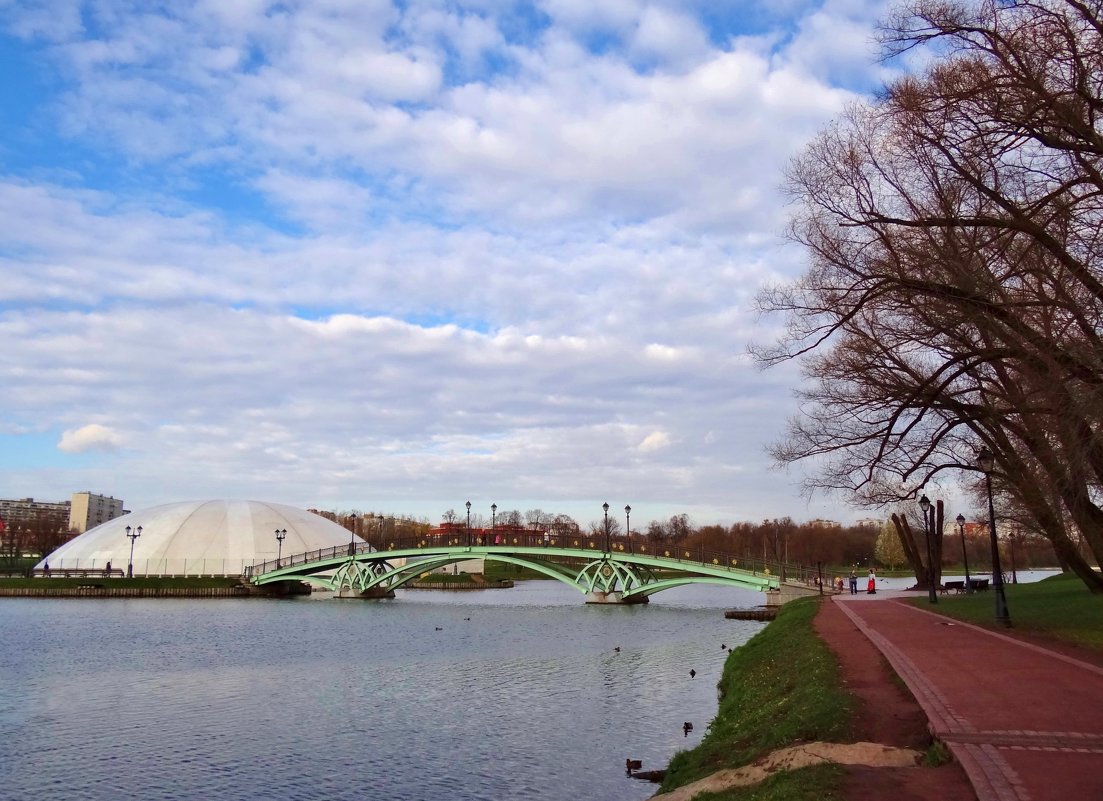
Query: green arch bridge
{"x": 616, "y": 570}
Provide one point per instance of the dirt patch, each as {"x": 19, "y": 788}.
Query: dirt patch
{"x": 870, "y": 755}
{"x": 888, "y": 714}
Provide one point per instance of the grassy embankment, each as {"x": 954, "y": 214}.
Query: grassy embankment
{"x": 495, "y": 571}
{"x": 1056, "y": 608}
{"x": 781, "y": 688}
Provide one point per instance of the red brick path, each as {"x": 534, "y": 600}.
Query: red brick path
{"x": 1025, "y": 722}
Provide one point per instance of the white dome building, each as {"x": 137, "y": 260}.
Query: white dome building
{"x": 199, "y": 538}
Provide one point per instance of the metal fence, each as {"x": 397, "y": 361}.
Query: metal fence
{"x": 158, "y": 567}
{"x": 494, "y": 541}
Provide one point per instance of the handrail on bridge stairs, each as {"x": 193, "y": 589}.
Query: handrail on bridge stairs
{"x": 614, "y": 570}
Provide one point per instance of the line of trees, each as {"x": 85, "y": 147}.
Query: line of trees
{"x": 39, "y": 534}
{"x": 954, "y": 296}
{"x": 779, "y": 539}
{"x": 776, "y": 540}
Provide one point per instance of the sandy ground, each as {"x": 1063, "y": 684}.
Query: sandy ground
{"x": 798, "y": 756}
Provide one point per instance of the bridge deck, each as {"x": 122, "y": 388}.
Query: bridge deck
{"x": 629, "y": 567}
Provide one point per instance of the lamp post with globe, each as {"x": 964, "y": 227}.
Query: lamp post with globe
{"x": 132, "y": 534}
{"x": 964, "y": 555}
{"x": 925, "y": 505}
{"x": 280, "y": 534}
{"x": 605, "y": 507}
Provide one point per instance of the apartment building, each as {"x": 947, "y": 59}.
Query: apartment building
{"x": 87, "y": 510}
{"x": 16, "y": 511}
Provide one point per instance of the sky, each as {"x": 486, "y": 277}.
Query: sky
{"x": 394, "y": 256}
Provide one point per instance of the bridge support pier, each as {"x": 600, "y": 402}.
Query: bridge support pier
{"x": 599, "y": 597}
{"x": 367, "y": 595}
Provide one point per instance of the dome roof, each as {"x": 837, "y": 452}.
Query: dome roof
{"x": 199, "y": 538}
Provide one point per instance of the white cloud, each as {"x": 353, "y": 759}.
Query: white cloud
{"x": 497, "y": 263}
{"x": 655, "y": 441}
{"x": 92, "y": 437}
{"x": 567, "y": 136}
{"x": 669, "y": 36}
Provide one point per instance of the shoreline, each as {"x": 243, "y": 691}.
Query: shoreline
{"x": 91, "y": 591}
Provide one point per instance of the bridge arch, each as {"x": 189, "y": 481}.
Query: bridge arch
{"x": 617, "y": 575}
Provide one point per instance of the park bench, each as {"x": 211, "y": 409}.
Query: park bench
{"x": 976, "y": 585}
{"x": 79, "y": 572}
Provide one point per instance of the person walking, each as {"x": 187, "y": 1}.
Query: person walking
{"x": 853, "y": 583}
{"x": 871, "y": 585}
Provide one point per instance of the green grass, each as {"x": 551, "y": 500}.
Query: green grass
{"x": 138, "y": 581}
{"x": 937, "y": 755}
{"x": 779, "y": 689}
{"x": 1058, "y": 608}
{"x": 19, "y": 562}
{"x": 495, "y": 571}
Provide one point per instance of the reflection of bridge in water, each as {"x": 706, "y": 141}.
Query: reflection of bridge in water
{"x": 616, "y": 570}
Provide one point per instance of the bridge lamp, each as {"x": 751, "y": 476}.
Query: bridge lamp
{"x": 925, "y": 505}
{"x": 493, "y": 516}
{"x": 280, "y": 534}
{"x": 964, "y": 555}
{"x": 469, "y": 524}
{"x": 133, "y": 534}
{"x": 605, "y": 508}
{"x": 986, "y": 461}
{"x": 628, "y": 525}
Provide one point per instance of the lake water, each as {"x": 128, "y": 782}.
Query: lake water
{"x": 906, "y": 582}
{"x": 477, "y": 695}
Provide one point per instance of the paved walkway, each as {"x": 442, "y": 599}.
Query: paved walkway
{"x": 1025, "y": 723}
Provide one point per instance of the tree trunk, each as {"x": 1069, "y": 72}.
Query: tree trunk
{"x": 911, "y": 551}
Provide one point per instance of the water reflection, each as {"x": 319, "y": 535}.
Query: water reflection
{"x": 483, "y": 695}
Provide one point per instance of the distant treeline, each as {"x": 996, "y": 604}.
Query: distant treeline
{"x": 782, "y": 539}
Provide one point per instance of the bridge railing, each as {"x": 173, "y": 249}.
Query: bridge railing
{"x": 690, "y": 555}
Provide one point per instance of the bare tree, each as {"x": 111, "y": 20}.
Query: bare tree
{"x": 536, "y": 519}
{"x": 656, "y": 531}
{"x": 564, "y": 526}
{"x": 955, "y": 294}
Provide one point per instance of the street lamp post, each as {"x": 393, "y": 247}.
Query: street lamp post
{"x": 494, "y": 521}
{"x": 605, "y": 507}
{"x": 986, "y": 462}
{"x": 925, "y": 505}
{"x": 628, "y": 525}
{"x": 1011, "y": 546}
{"x": 964, "y": 555}
{"x": 280, "y": 534}
{"x": 469, "y": 524}
{"x": 133, "y": 534}
{"x": 783, "y": 551}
